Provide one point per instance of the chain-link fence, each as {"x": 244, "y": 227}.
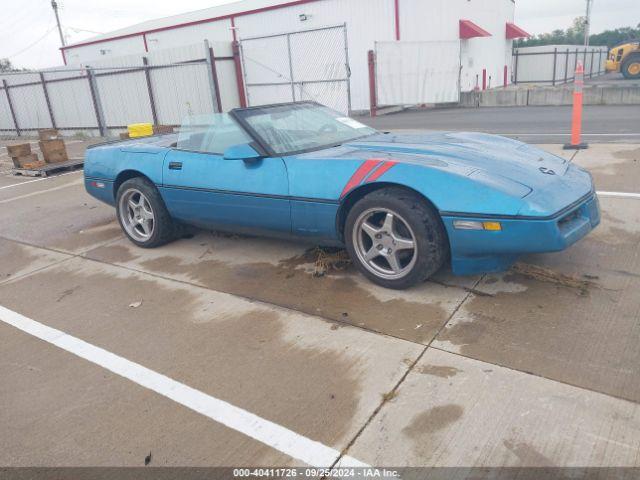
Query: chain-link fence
{"x": 161, "y": 88}
{"x": 304, "y": 65}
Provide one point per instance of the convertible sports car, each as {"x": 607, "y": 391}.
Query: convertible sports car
{"x": 402, "y": 204}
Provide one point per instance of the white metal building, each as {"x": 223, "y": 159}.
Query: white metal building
{"x": 478, "y": 32}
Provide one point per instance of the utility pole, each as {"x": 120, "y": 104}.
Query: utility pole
{"x": 54, "y": 5}
{"x": 587, "y": 23}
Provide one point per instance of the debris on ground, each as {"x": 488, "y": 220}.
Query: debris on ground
{"x": 327, "y": 259}
{"x": 324, "y": 260}
{"x": 387, "y": 397}
{"x": 135, "y": 304}
{"x": 550, "y": 276}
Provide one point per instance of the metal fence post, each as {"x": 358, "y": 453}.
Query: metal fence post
{"x": 348, "y": 66}
{"x": 566, "y": 67}
{"x": 216, "y": 84}
{"x": 515, "y": 69}
{"x": 293, "y": 87}
{"x": 13, "y": 112}
{"x": 575, "y": 64}
{"x": 555, "y": 63}
{"x": 46, "y": 98}
{"x": 599, "y": 61}
{"x": 97, "y": 105}
{"x": 373, "y": 107}
{"x": 591, "y": 67}
{"x": 212, "y": 83}
{"x": 152, "y": 100}
{"x": 237, "y": 61}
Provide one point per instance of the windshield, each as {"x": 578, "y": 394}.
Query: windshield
{"x": 300, "y": 127}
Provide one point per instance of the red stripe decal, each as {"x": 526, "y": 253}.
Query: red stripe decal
{"x": 380, "y": 171}
{"x": 359, "y": 175}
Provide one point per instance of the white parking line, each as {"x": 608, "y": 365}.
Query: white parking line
{"x": 264, "y": 431}
{"x": 38, "y": 180}
{"x": 40, "y": 192}
{"x": 619, "y": 194}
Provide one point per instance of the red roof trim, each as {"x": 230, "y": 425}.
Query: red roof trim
{"x": 468, "y": 29}
{"x": 195, "y": 22}
{"x": 514, "y": 31}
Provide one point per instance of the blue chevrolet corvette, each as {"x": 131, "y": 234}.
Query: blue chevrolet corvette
{"x": 403, "y": 205}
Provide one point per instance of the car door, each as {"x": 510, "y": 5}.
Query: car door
{"x": 202, "y": 188}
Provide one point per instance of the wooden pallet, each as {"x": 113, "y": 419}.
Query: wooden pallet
{"x": 50, "y": 168}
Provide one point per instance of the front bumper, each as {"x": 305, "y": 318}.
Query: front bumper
{"x": 482, "y": 251}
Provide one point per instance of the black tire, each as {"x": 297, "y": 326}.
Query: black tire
{"x": 164, "y": 228}
{"x": 430, "y": 238}
{"x": 632, "y": 59}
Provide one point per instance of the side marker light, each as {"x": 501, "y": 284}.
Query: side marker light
{"x": 474, "y": 225}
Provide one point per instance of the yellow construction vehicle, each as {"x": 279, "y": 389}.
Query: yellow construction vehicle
{"x": 625, "y": 58}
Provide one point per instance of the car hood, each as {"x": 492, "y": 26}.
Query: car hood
{"x": 516, "y": 168}
{"x": 473, "y": 153}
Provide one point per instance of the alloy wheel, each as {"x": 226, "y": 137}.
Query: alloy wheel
{"x": 385, "y": 243}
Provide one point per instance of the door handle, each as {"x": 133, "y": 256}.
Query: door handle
{"x": 175, "y": 165}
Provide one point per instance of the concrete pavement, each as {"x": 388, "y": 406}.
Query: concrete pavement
{"x": 537, "y": 367}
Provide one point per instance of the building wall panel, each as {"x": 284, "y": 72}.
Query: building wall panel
{"x": 86, "y": 54}
{"x": 213, "y": 31}
{"x": 438, "y": 20}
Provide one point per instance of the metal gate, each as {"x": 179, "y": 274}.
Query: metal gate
{"x": 304, "y": 65}
{"x": 414, "y": 73}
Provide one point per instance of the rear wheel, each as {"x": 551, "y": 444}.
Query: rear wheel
{"x": 631, "y": 66}
{"x": 395, "y": 238}
{"x": 143, "y": 215}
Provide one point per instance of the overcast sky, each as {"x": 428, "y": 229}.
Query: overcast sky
{"x": 29, "y": 38}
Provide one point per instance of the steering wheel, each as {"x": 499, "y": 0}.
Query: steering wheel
{"x": 328, "y": 128}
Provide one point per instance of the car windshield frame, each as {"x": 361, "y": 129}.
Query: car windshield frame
{"x": 241, "y": 115}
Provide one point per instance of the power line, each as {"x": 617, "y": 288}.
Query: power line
{"x": 33, "y": 44}
{"x": 78, "y": 30}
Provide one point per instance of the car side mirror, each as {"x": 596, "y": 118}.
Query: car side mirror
{"x": 244, "y": 151}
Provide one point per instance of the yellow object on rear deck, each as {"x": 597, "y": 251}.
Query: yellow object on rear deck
{"x": 140, "y": 130}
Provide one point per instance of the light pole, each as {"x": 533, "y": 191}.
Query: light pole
{"x": 54, "y": 5}
{"x": 587, "y": 23}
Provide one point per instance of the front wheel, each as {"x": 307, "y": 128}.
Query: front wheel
{"x": 143, "y": 215}
{"x": 395, "y": 238}
{"x": 631, "y": 66}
